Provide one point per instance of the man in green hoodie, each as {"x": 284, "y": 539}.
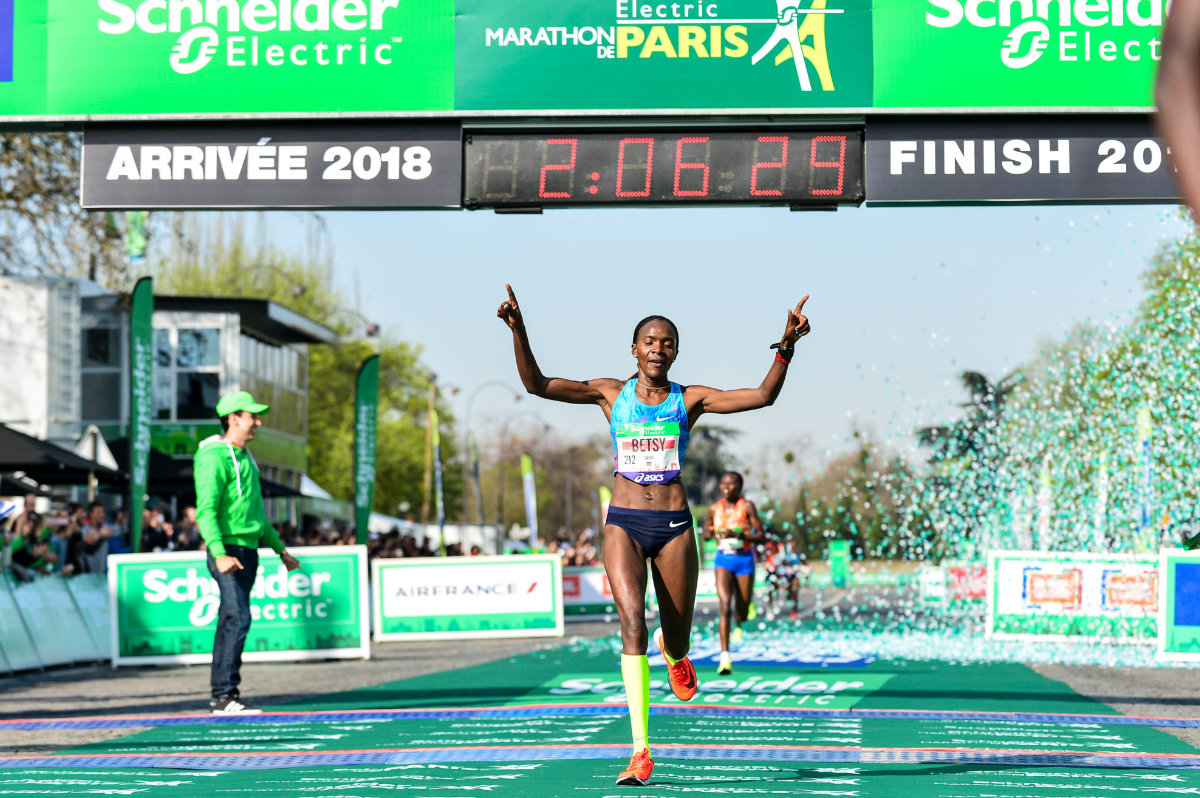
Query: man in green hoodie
{"x": 233, "y": 524}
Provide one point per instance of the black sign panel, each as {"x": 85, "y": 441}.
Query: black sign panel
{"x": 1045, "y": 159}
{"x": 273, "y": 165}
{"x": 644, "y": 167}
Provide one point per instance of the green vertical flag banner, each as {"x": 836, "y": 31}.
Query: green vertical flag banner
{"x": 1145, "y": 521}
{"x": 135, "y": 236}
{"x": 530, "y": 500}
{"x": 839, "y": 562}
{"x": 366, "y": 411}
{"x": 475, "y": 476}
{"x": 437, "y": 477}
{"x": 141, "y": 378}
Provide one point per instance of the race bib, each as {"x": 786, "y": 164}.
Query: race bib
{"x": 729, "y": 545}
{"x": 648, "y": 451}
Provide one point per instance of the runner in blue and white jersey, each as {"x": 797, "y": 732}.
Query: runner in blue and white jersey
{"x": 650, "y": 419}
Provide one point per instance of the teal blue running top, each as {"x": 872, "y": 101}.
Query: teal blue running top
{"x": 649, "y": 441}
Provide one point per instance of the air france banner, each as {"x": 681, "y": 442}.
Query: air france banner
{"x": 928, "y": 161}
{"x": 586, "y": 592}
{"x": 293, "y": 165}
{"x": 467, "y": 597}
{"x": 164, "y": 607}
{"x": 1037, "y": 595}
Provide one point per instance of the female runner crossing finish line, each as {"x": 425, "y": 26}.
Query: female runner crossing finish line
{"x": 650, "y": 419}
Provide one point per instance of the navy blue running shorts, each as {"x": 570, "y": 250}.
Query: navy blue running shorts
{"x": 651, "y": 529}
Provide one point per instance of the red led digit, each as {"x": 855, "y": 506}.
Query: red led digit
{"x": 551, "y": 167}
{"x": 840, "y": 163}
{"x": 649, "y": 165}
{"x": 755, "y": 191}
{"x": 680, "y": 165}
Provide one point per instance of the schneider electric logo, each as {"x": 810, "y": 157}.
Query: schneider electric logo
{"x": 1096, "y": 30}
{"x": 277, "y": 596}
{"x": 257, "y": 33}
{"x": 782, "y": 32}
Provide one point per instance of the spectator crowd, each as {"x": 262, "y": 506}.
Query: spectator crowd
{"x": 75, "y": 538}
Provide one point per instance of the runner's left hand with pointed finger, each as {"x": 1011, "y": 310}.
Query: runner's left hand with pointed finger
{"x": 797, "y": 325}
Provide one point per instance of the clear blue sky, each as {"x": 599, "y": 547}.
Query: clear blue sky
{"x": 902, "y": 300}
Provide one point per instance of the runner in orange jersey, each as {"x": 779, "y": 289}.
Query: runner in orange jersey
{"x": 734, "y": 523}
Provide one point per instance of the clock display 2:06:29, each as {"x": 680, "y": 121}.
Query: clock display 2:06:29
{"x": 764, "y": 167}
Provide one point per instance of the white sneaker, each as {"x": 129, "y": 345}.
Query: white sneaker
{"x": 232, "y": 706}
{"x": 725, "y": 667}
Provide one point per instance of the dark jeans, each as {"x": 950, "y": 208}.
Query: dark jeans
{"x": 233, "y": 620}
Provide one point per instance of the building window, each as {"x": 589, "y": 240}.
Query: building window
{"x": 100, "y": 382}
{"x": 187, "y": 373}
{"x": 277, "y": 375}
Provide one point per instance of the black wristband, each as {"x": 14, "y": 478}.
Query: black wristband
{"x": 784, "y": 355}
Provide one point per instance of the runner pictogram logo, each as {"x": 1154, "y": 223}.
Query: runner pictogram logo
{"x": 801, "y": 31}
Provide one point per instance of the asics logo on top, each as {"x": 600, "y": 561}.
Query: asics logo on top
{"x": 207, "y": 41}
{"x": 1039, "y": 40}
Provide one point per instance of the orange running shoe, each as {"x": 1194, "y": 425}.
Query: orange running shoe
{"x": 639, "y": 770}
{"x": 683, "y": 675}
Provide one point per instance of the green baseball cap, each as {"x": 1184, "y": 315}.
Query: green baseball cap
{"x": 240, "y": 400}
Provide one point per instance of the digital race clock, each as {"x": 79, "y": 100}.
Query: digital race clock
{"x": 820, "y": 168}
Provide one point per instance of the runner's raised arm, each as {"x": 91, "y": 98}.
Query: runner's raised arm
{"x": 702, "y": 399}
{"x": 557, "y": 388}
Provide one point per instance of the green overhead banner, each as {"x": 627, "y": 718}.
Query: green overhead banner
{"x": 1044, "y": 54}
{"x": 629, "y": 54}
{"x": 141, "y": 376}
{"x": 366, "y": 420}
{"x": 228, "y": 57}
{"x": 324, "y": 58}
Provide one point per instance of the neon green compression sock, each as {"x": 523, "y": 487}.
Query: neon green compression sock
{"x": 635, "y": 671}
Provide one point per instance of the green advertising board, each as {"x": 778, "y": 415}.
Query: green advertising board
{"x": 467, "y": 597}
{"x": 270, "y": 446}
{"x": 325, "y": 58}
{"x": 945, "y": 54}
{"x": 1179, "y": 605}
{"x": 191, "y": 57}
{"x": 630, "y": 54}
{"x": 164, "y": 607}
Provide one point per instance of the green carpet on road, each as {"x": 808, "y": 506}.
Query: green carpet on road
{"x": 724, "y": 713}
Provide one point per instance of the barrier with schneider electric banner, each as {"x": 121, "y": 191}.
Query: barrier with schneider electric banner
{"x": 164, "y": 607}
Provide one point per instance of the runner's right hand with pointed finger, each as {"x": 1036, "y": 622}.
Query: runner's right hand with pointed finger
{"x": 510, "y": 312}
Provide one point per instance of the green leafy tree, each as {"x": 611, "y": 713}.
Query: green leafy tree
{"x": 43, "y": 230}
{"x": 708, "y": 457}
{"x": 221, "y": 263}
